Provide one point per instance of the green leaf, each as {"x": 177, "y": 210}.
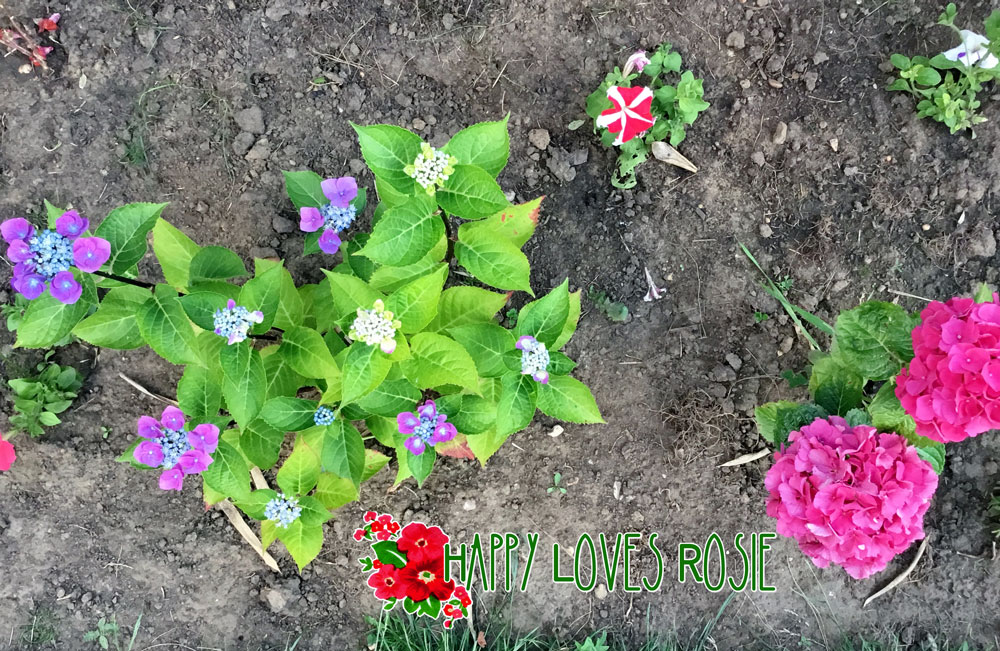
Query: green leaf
{"x": 302, "y": 541}
{"x": 420, "y": 465}
{"x": 174, "y": 251}
{"x": 416, "y": 304}
{"x": 261, "y": 443}
{"x": 300, "y": 471}
{"x": 515, "y": 224}
{"x": 304, "y": 188}
{"x": 364, "y": 369}
{"x": 388, "y": 553}
{"x": 216, "y": 263}
{"x": 256, "y": 503}
{"x": 199, "y": 392}
{"x": 289, "y": 414}
{"x": 362, "y": 267}
{"x": 471, "y": 193}
{"x": 306, "y": 353}
{"x": 933, "y": 452}
{"x": 391, "y": 397}
{"x": 486, "y": 145}
{"x": 984, "y": 293}
{"x": 114, "y": 325}
{"x": 568, "y": 399}
{"x": 349, "y": 293}
{"x": 475, "y": 416}
{"x": 334, "y": 492}
{"x": 48, "y": 419}
{"x": 387, "y": 150}
{"x": 289, "y": 312}
{"x": 465, "y": 305}
{"x": 125, "y": 228}
{"x": 244, "y": 384}
{"x": 374, "y": 461}
{"x": 263, "y": 292}
{"x": 857, "y": 417}
{"x": 486, "y": 343}
{"x": 201, "y": 306}
{"x": 439, "y": 360}
{"x": 874, "y": 339}
{"x": 518, "y": 399}
{"x": 314, "y": 512}
{"x": 430, "y": 607}
{"x": 47, "y": 321}
{"x": 165, "y": 327}
{"x": 545, "y": 319}
{"x": 767, "y": 417}
{"x": 493, "y": 260}
{"x": 406, "y": 233}
{"x": 344, "y": 451}
{"x": 887, "y": 412}
{"x": 569, "y": 328}
{"x": 901, "y": 62}
{"x": 282, "y": 379}
{"x": 486, "y": 444}
{"x": 228, "y": 473}
{"x": 834, "y": 387}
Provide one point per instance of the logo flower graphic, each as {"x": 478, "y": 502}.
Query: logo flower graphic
{"x": 408, "y": 567}
{"x": 632, "y": 112}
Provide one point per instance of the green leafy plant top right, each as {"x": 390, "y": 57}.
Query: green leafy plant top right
{"x": 947, "y": 85}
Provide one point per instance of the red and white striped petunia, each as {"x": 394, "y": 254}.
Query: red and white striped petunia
{"x": 632, "y": 112}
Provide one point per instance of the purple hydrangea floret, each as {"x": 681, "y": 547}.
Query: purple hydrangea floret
{"x": 44, "y": 259}
{"x": 426, "y": 427}
{"x": 332, "y": 217}
{"x": 534, "y": 358}
{"x": 234, "y": 322}
{"x": 168, "y": 444}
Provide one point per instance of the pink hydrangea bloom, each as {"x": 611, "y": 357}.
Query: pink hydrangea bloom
{"x": 952, "y": 386}
{"x": 849, "y": 496}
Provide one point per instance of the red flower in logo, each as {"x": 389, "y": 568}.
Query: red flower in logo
{"x": 463, "y": 596}
{"x": 388, "y": 583}
{"x": 425, "y": 577}
{"x": 632, "y": 112}
{"x": 419, "y": 541}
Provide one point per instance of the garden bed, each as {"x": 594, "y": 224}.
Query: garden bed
{"x": 803, "y": 156}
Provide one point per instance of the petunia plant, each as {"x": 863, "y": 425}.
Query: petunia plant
{"x": 398, "y": 351}
{"x": 637, "y": 106}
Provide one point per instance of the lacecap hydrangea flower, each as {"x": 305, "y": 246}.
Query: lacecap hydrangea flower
{"x": 426, "y": 427}
{"x": 323, "y": 416}
{"x": 631, "y": 114}
{"x": 43, "y": 259}
{"x": 376, "y": 327}
{"x": 234, "y": 322}
{"x": 849, "y": 496}
{"x": 951, "y": 387}
{"x": 168, "y": 444}
{"x": 534, "y": 358}
{"x": 333, "y": 217}
{"x": 431, "y": 168}
{"x": 282, "y": 510}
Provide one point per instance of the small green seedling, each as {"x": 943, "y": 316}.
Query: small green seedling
{"x": 594, "y": 643}
{"x": 556, "y": 478}
{"x": 38, "y": 399}
{"x": 760, "y": 317}
{"x": 108, "y": 634}
{"x": 617, "y": 312}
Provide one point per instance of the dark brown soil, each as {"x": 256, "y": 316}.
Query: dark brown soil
{"x": 860, "y": 201}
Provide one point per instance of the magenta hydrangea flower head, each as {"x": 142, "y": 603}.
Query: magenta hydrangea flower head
{"x": 333, "y": 217}
{"x": 234, "y": 322}
{"x": 534, "y": 358}
{"x": 849, "y": 495}
{"x": 168, "y": 444}
{"x": 426, "y": 427}
{"x": 43, "y": 259}
{"x": 951, "y": 387}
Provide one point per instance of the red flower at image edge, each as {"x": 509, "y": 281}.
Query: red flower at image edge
{"x": 7, "y": 455}
{"x": 632, "y": 112}
{"x": 388, "y": 583}
{"x": 425, "y": 577}
{"x": 420, "y": 542}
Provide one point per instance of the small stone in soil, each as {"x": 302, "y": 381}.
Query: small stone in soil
{"x": 250, "y": 119}
{"x": 539, "y": 138}
{"x": 780, "y": 134}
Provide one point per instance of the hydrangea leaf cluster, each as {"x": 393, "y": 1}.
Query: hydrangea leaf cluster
{"x": 849, "y": 495}
{"x": 407, "y": 568}
{"x": 648, "y": 100}
{"x": 382, "y": 335}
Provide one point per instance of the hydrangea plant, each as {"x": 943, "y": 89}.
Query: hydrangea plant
{"x": 388, "y": 355}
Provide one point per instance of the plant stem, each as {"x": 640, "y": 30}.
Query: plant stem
{"x": 127, "y": 281}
